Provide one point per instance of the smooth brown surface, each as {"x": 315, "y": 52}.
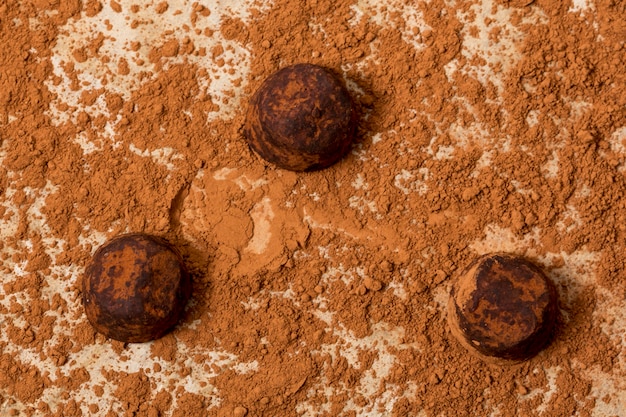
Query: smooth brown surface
{"x": 302, "y": 118}
{"x": 503, "y": 306}
{"x": 135, "y": 288}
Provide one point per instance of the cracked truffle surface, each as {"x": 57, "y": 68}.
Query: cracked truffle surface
{"x": 135, "y": 288}
{"x": 302, "y": 118}
{"x": 503, "y": 306}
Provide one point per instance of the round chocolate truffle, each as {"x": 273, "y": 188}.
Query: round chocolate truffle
{"x": 503, "y": 307}
{"x": 135, "y": 288}
{"x": 301, "y": 118}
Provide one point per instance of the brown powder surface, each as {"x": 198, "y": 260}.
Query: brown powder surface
{"x": 484, "y": 126}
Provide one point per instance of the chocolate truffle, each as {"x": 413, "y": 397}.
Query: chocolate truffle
{"x": 503, "y": 307}
{"x": 301, "y": 118}
{"x": 135, "y": 288}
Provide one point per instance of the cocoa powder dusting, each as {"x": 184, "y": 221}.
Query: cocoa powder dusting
{"x": 485, "y": 126}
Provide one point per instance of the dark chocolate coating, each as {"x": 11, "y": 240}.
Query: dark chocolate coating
{"x": 135, "y": 288}
{"x": 301, "y": 118}
{"x": 503, "y": 306}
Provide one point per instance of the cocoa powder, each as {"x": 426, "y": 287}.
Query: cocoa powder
{"x": 487, "y": 126}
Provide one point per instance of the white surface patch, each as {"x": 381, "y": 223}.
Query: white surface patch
{"x": 570, "y": 220}
{"x": 441, "y": 296}
{"x": 162, "y": 156}
{"x": 85, "y": 144}
{"x": 362, "y": 205}
{"x": 262, "y": 216}
{"x": 242, "y": 181}
{"x": 359, "y": 183}
{"x": 408, "y": 182}
{"x": 581, "y": 6}
{"x": 617, "y": 142}
{"x": 551, "y": 167}
{"x": 397, "y": 288}
{"x": 532, "y": 118}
